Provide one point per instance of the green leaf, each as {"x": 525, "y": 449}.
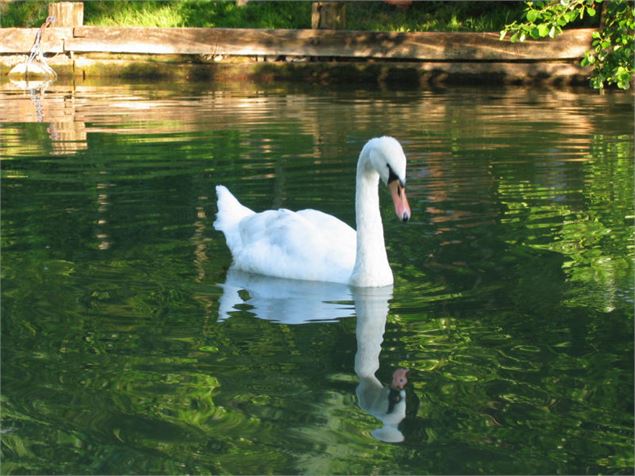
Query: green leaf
{"x": 588, "y": 60}
{"x": 532, "y": 15}
{"x": 503, "y": 33}
{"x": 590, "y": 11}
{"x": 543, "y": 30}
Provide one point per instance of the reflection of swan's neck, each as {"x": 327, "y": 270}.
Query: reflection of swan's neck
{"x": 371, "y": 261}
{"x": 371, "y": 307}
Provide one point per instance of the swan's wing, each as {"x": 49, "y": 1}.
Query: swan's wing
{"x": 340, "y": 240}
{"x": 307, "y": 245}
{"x": 325, "y": 221}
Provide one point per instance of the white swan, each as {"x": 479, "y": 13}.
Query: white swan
{"x": 311, "y": 245}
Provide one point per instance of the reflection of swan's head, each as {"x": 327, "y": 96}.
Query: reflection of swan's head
{"x": 399, "y": 379}
{"x": 385, "y": 155}
{"x": 389, "y": 406}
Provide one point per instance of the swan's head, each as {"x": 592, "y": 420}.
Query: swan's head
{"x": 386, "y": 156}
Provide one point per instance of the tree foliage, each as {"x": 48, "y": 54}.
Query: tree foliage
{"x": 612, "y": 49}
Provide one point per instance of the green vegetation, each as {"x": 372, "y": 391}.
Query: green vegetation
{"x": 201, "y": 13}
{"x": 611, "y": 55}
{"x": 613, "y": 47}
{"x": 374, "y": 16}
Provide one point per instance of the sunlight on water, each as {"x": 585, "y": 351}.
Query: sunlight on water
{"x": 128, "y": 346}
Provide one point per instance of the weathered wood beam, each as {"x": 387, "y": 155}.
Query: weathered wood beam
{"x": 20, "y": 40}
{"x": 424, "y": 46}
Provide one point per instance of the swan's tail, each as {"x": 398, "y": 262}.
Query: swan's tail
{"x": 230, "y": 210}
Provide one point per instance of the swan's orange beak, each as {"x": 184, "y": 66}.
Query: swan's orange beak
{"x": 398, "y": 194}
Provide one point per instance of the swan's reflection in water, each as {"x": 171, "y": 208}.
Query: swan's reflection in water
{"x": 286, "y": 301}
{"x": 386, "y": 403}
{"x": 298, "y": 302}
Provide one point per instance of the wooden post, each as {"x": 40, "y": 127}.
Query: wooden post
{"x": 68, "y": 14}
{"x": 328, "y": 15}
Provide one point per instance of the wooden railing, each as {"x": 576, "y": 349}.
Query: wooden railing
{"x": 423, "y": 57}
{"x": 424, "y": 46}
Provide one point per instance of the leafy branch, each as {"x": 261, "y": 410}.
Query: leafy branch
{"x": 612, "y": 49}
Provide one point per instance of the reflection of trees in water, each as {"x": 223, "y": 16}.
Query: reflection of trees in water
{"x": 491, "y": 169}
{"x": 117, "y": 240}
{"x": 67, "y": 134}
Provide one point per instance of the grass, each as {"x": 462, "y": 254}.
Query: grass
{"x": 369, "y": 16}
{"x": 148, "y": 14}
{"x": 433, "y": 16}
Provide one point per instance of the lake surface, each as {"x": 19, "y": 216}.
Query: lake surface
{"x": 128, "y": 347}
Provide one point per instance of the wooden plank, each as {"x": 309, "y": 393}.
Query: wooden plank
{"x": 20, "y": 40}
{"x": 424, "y": 46}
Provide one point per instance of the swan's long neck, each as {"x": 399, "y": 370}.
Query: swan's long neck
{"x": 371, "y": 261}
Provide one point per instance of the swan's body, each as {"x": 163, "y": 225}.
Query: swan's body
{"x": 312, "y": 245}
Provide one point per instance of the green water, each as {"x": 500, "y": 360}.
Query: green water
{"x": 127, "y": 348}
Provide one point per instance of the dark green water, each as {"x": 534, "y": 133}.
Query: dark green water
{"x": 124, "y": 349}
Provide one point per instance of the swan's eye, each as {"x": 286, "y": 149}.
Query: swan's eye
{"x": 392, "y": 176}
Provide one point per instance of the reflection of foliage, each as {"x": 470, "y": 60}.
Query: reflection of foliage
{"x": 492, "y": 384}
{"x": 113, "y": 361}
{"x": 595, "y": 242}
